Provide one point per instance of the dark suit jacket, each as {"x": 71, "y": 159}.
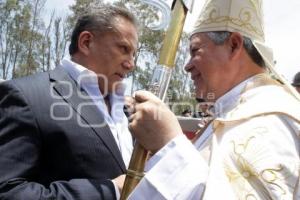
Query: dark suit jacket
{"x": 51, "y": 144}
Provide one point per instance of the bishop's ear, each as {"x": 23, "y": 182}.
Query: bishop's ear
{"x": 84, "y": 41}
{"x": 236, "y": 44}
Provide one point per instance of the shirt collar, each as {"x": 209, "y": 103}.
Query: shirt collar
{"x": 229, "y": 100}
{"x": 79, "y": 73}
{"x": 88, "y": 80}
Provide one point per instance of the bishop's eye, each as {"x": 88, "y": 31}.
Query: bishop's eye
{"x": 193, "y": 51}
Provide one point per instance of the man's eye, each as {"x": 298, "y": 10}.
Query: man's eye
{"x": 124, "y": 48}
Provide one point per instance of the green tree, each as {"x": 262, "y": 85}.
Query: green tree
{"x": 34, "y": 37}
{"x": 46, "y": 45}
{"x": 27, "y": 45}
{"x": 21, "y": 35}
{"x": 8, "y": 10}
{"x": 149, "y": 42}
{"x": 61, "y": 37}
{"x": 81, "y": 7}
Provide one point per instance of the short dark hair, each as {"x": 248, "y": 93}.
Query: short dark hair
{"x": 219, "y": 37}
{"x": 296, "y": 80}
{"x": 101, "y": 19}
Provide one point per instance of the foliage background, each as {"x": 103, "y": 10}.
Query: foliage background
{"x": 30, "y": 44}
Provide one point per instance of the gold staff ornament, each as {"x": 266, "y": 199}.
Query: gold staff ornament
{"x": 159, "y": 84}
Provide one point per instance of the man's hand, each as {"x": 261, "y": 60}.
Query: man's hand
{"x": 152, "y": 123}
{"x": 129, "y": 105}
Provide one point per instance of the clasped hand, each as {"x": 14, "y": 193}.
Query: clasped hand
{"x": 151, "y": 122}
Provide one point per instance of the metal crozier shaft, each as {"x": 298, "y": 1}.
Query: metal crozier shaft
{"x": 158, "y": 86}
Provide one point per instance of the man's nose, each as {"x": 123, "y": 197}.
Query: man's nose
{"x": 129, "y": 64}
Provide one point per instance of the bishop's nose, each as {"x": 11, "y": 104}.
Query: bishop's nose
{"x": 188, "y": 67}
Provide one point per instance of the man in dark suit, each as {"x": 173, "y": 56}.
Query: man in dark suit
{"x": 63, "y": 133}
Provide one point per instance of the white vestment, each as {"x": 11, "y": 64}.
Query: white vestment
{"x": 251, "y": 153}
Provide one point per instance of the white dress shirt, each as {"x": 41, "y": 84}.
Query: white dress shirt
{"x": 117, "y": 120}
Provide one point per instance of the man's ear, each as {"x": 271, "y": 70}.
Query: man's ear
{"x": 84, "y": 40}
{"x": 236, "y": 44}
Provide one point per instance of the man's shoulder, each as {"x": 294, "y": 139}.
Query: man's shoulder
{"x": 265, "y": 100}
{"x": 268, "y": 94}
{"x": 29, "y": 78}
{"x": 37, "y": 79}
{"x": 35, "y": 82}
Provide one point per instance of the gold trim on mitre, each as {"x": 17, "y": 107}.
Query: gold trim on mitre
{"x": 243, "y": 16}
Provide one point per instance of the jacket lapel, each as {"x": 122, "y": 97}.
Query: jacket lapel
{"x": 89, "y": 114}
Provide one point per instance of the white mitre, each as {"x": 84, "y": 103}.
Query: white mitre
{"x": 244, "y": 17}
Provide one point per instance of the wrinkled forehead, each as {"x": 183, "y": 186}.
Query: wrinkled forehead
{"x": 195, "y": 36}
{"x": 126, "y": 30}
{"x": 198, "y": 39}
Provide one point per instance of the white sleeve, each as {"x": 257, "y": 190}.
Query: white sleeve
{"x": 118, "y": 195}
{"x": 177, "y": 172}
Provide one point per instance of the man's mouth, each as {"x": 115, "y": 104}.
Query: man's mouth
{"x": 196, "y": 76}
{"x": 121, "y": 75}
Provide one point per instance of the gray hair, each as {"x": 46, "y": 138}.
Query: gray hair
{"x": 102, "y": 19}
{"x": 219, "y": 37}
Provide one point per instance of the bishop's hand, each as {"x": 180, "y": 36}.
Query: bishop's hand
{"x": 152, "y": 122}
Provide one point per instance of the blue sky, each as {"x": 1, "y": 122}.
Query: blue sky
{"x": 282, "y": 29}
